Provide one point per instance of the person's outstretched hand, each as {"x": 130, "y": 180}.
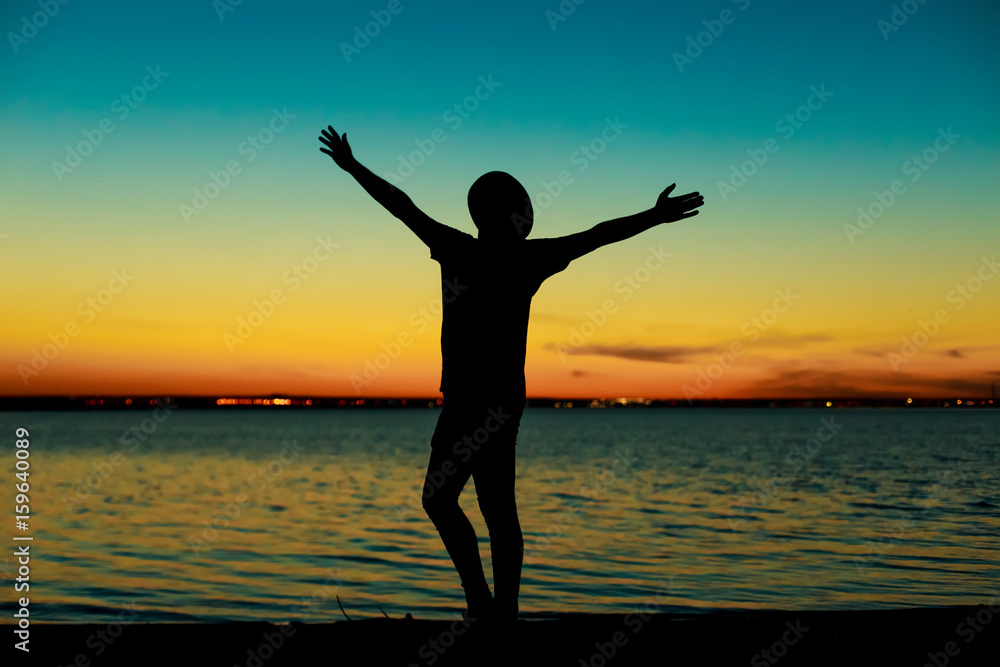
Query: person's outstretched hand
{"x": 671, "y": 209}
{"x": 337, "y": 147}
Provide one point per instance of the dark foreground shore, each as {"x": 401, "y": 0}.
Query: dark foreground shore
{"x": 914, "y": 637}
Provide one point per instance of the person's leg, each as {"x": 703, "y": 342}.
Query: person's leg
{"x": 446, "y": 475}
{"x": 494, "y": 480}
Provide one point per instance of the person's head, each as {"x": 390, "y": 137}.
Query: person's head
{"x": 500, "y": 207}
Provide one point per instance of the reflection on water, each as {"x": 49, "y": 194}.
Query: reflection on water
{"x": 268, "y": 515}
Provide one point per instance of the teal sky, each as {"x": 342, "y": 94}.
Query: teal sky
{"x": 558, "y": 86}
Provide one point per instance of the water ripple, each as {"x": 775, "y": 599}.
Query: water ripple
{"x": 899, "y": 509}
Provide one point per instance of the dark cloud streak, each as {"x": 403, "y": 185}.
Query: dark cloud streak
{"x": 665, "y": 354}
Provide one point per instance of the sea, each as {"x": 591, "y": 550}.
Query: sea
{"x": 314, "y": 515}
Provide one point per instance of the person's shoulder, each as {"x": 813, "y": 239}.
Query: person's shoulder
{"x": 449, "y": 240}
{"x": 546, "y": 256}
{"x": 458, "y": 234}
{"x": 545, "y": 249}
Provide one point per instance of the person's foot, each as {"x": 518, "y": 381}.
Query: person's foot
{"x": 481, "y": 610}
{"x": 478, "y": 601}
{"x": 491, "y": 620}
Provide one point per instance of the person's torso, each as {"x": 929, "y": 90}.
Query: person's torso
{"x": 486, "y": 297}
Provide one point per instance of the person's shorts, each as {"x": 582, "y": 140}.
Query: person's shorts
{"x": 465, "y": 427}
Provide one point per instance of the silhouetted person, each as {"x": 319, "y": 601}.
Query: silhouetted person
{"x": 487, "y": 285}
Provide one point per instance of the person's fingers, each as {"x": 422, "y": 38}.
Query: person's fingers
{"x": 327, "y": 151}
{"x": 685, "y": 199}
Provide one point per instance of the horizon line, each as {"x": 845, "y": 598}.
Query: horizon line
{"x": 126, "y": 401}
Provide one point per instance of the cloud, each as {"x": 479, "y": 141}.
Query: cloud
{"x": 275, "y": 371}
{"x": 664, "y": 354}
{"x": 680, "y": 354}
{"x": 954, "y": 353}
{"x": 802, "y": 383}
{"x": 965, "y": 352}
{"x": 779, "y": 339}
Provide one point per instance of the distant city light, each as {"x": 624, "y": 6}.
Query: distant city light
{"x": 256, "y": 401}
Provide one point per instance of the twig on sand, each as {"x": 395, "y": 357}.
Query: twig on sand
{"x": 342, "y": 609}
{"x": 383, "y": 611}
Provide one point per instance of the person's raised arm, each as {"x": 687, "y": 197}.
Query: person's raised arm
{"x": 667, "y": 209}
{"x": 390, "y": 197}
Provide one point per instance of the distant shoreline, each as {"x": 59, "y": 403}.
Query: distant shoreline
{"x": 278, "y": 402}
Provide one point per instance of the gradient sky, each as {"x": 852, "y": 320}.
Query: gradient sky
{"x": 855, "y": 293}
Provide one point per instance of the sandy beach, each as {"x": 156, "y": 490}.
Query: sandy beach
{"x": 916, "y": 637}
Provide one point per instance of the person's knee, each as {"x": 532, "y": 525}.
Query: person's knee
{"x": 436, "y": 501}
{"x": 500, "y": 515}
{"x": 428, "y": 500}
{"x": 507, "y": 536}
